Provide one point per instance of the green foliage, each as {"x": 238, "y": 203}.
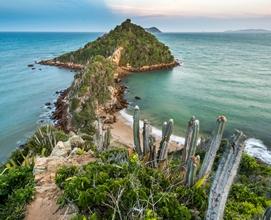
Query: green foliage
{"x": 251, "y": 194}
{"x": 140, "y": 48}
{"x": 90, "y": 88}
{"x": 44, "y": 140}
{"x": 129, "y": 189}
{"x": 16, "y": 190}
{"x": 115, "y": 156}
{"x": 64, "y": 173}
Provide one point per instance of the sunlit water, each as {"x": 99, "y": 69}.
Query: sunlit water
{"x": 222, "y": 74}
{"x": 23, "y": 91}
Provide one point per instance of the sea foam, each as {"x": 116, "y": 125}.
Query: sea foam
{"x": 253, "y": 147}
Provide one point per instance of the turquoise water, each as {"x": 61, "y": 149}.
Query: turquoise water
{"x": 222, "y": 73}
{"x": 23, "y": 91}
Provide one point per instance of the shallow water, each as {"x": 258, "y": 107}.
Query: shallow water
{"x": 23, "y": 91}
{"x": 222, "y": 73}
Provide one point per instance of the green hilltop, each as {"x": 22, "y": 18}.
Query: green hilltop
{"x": 138, "y": 48}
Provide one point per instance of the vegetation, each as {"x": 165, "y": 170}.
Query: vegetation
{"x": 139, "y": 187}
{"x": 16, "y": 190}
{"x": 251, "y": 194}
{"x": 90, "y": 89}
{"x": 119, "y": 186}
{"x": 16, "y": 175}
{"x": 140, "y": 48}
{"x": 112, "y": 189}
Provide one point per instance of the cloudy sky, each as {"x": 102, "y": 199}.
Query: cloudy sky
{"x": 101, "y": 15}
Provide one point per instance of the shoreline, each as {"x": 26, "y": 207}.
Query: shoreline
{"x": 122, "y": 132}
{"x": 116, "y": 117}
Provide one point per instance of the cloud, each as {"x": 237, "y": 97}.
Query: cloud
{"x": 211, "y": 8}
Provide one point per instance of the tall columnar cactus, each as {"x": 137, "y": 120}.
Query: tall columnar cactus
{"x": 136, "y": 132}
{"x": 102, "y": 136}
{"x": 214, "y": 144}
{"x": 153, "y": 154}
{"x": 191, "y": 139}
{"x": 224, "y": 177}
{"x": 98, "y": 138}
{"x": 163, "y": 150}
{"x": 267, "y": 214}
{"x": 146, "y": 137}
{"x": 192, "y": 168}
{"x": 106, "y": 138}
{"x": 164, "y": 127}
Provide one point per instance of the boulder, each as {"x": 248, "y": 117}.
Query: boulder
{"x": 76, "y": 141}
{"x": 61, "y": 149}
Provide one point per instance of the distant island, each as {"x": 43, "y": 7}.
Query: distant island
{"x": 153, "y": 30}
{"x": 249, "y": 31}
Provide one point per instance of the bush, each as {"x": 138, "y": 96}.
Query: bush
{"x": 251, "y": 193}
{"x": 16, "y": 190}
{"x": 128, "y": 189}
{"x": 44, "y": 140}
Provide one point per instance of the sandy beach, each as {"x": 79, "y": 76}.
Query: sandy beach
{"x": 122, "y": 132}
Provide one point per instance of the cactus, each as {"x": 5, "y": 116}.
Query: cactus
{"x": 136, "y": 131}
{"x": 106, "y": 138}
{"x": 102, "y": 136}
{"x": 267, "y": 214}
{"x": 146, "y": 137}
{"x": 164, "y": 127}
{"x": 153, "y": 154}
{"x": 191, "y": 139}
{"x": 210, "y": 155}
{"x": 166, "y": 131}
{"x": 98, "y": 138}
{"x": 226, "y": 171}
{"x": 192, "y": 167}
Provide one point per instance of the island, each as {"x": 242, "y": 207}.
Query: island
{"x": 249, "y": 31}
{"x": 153, "y": 30}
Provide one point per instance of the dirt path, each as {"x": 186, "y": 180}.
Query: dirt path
{"x": 44, "y": 206}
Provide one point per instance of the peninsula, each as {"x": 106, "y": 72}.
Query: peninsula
{"x": 75, "y": 170}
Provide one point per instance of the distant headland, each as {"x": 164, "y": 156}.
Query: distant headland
{"x": 153, "y": 30}
{"x": 249, "y": 31}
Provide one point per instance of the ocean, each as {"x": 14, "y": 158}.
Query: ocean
{"x": 221, "y": 73}
{"x": 23, "y": 91}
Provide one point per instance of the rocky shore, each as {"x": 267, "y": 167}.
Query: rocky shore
{"x": 69, "y": 65}
{"x": 61, "y": 114}
{"x": 161, "y": 66}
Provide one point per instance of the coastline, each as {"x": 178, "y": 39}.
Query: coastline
{"x": 115, "y": 116}
{"x": 122, "y": 132}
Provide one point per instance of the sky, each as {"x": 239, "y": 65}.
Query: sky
{"x": 102, "y": 15}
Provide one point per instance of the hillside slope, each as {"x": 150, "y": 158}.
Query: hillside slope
{"x": 138, "y": 48}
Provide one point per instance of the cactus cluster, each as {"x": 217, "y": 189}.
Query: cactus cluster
{"x": 102, "y": 136}
{"x": 190, "y": 162}
{"x": 149, "y": 152}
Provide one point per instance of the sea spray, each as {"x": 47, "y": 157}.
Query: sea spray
{"x": 256, "y": 148}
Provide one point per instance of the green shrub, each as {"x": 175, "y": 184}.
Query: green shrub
{"x": 44, "y": 140}
{"x": 130, "y": 189}
{"x": 16, "y": 190}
